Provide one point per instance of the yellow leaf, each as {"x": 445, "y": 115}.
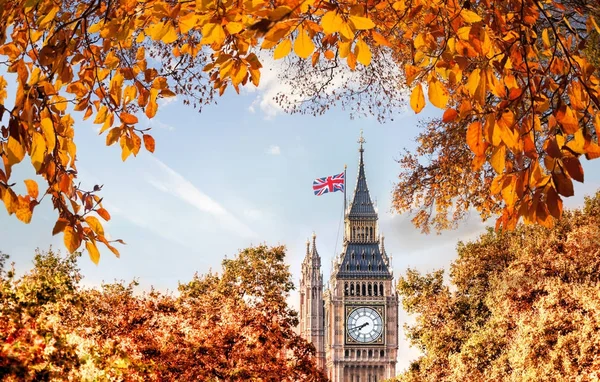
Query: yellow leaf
{"x": 331, "y": 22}
{"x": 347, "y": 31}
{"x": 303, "y": 46}
{"x": 509, "y": 193}
{"x": 187, "y": 22}
{"x": 470, "y": 16}
{"x": 93, "y": 251}
{"x": 363, "y": 53}
{"x": 38, "y": 150}
{"x": 438, "y": 95}
{"x": 417, "y": 99}
{"x": 71, "y": 239}
{"x": 95, "y": 225}
{"x": 49, "y": 134}
{"x": 15, "y": 151}
{"x": 213, "y": 33}
{"x": 24, "y": 211}
{"x": 32, "y": 188}
{"x": 170, "y": 34}
{"x": 233, "y": 27}
{"x": 11, "y": 202}
{"x": 498, "y": 158}
{"x": 546, "y": 38}
{"x": 362, "y": 23}
{"x": 473, "y": 81}
{"x": 101, "y": 116}
{"x": 283, "y": 49}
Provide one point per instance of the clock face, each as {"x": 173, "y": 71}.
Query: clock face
{"x": 364, "y": 324}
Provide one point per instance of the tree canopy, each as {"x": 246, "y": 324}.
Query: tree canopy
{"x": 517, "y": 80}
{"x": 232, "y": 326}
{"x": 521, "y": 305}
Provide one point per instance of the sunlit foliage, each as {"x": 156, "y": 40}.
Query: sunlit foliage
{"x": 522, "y": 305}
{"x": 517, "y": 80}
{"x": 232, "y": 326}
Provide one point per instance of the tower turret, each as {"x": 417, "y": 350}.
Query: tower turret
{"x": 311, "y": 301}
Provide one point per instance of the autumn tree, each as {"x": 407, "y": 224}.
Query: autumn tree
{"x": 521, "y": 305}
{"x": 517, "y": 81}
{"x": 232, "y": 326}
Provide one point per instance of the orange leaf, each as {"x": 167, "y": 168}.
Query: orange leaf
{"x": 449, "y": 115}
{"x": 129, "y": 119}
{"x": 149, "y": 143}
{"x": 554, "y": 202}
{"x": 567, "y": 119}
{"x": 498, "y": 159}
{"x": 475, "y": 138}
{"x": 32, "y": 188}
{"x": 103, "y": 214}
{"x": 59, "y": 226}
{"x": 563, "y": 184}
{"x": 574, "y": 169}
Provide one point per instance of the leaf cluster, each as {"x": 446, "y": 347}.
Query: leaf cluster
{"x": 521, "y": 305}
{"x": 233, "y": 326}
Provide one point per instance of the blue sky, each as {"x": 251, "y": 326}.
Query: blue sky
{"x": 239, "y": 174}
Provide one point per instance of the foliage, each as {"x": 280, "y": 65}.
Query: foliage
{"x": 522, "y": 305}
{"x": 521, "y": 97}
{"x": 235, "y": 326}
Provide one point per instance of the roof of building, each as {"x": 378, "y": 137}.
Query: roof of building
{"x": 363, "y": 260}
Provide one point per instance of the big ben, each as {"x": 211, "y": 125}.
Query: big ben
{"x": 357, "y": 328}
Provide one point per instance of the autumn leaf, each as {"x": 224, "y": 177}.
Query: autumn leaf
{"x": 498, "y": 158}
{"x": 71, "y": 239}
{"x": 32, "y": 188}
{"x": 417, "y": 99}
{"x": 303, "y": 46}
{"x": 331, "y": 22}
{"x": 475, "y": 138}
{"x": 361, "y": 23}
{"x": 128, "y": 118}
{"x": 282, "y": 49}
{"x": 148, "y": 144}
{"x": 93, "y": 251}
{"x": 438, "y": 95}
{"x": 449, "y": 115}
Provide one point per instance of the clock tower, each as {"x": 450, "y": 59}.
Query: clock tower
{"x": 360, "y": 302}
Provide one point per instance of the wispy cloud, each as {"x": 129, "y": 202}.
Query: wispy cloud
{"x": 274, "y": 150}
{"x": 172, "y": 182}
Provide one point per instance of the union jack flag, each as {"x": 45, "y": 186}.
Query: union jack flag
{"x": 331, "y": 183}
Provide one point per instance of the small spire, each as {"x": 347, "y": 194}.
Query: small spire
{"x": 361, "y": 140}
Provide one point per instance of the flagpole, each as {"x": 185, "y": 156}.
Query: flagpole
{"x": 345, "y": 166}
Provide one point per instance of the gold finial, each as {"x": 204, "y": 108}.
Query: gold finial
{"x": 361, "y": 140}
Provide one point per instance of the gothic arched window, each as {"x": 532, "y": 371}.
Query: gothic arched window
{"x": 364, "y": 290}
{"x": 351, "y": 289}
{"x": 345, "y": 289}
{"x": 381, "y": 289}
{"x": 374, "y": 289}
{"x": 370, "y": 290}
